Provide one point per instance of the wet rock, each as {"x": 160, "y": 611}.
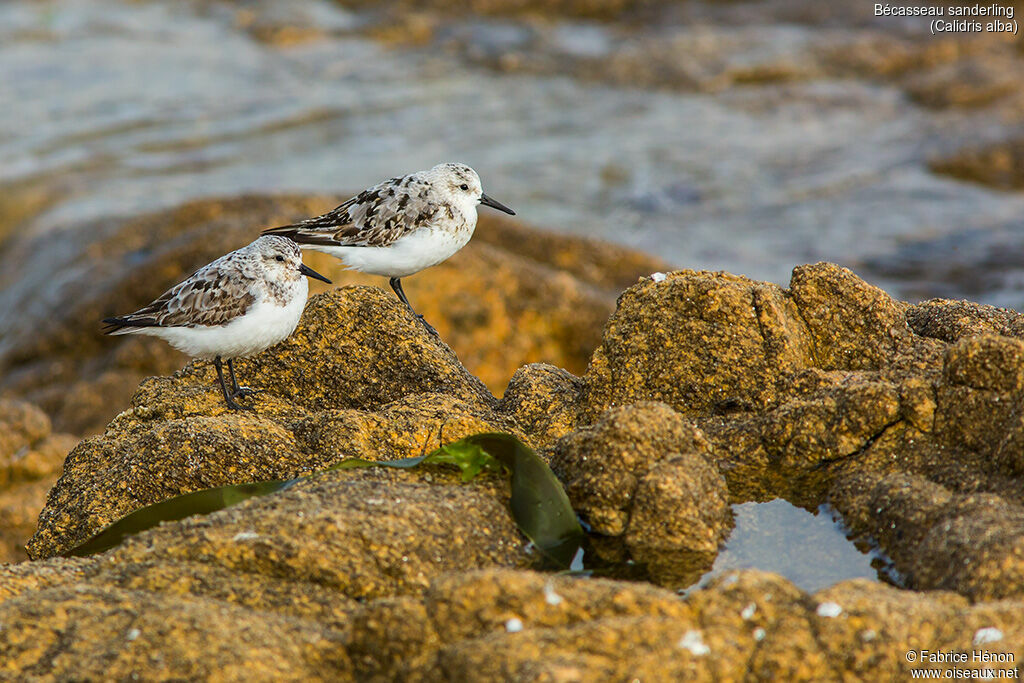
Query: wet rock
{"x": 938, "y": 539}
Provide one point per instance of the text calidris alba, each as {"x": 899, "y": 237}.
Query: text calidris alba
{"x": 400, "y": 226}
{"x": 242, "y": 303}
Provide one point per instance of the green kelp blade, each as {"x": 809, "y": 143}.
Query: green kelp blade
{"x": 173, "y": 509}
{"x": 540, "y": 506}
{"x": 469, "y": 457}
{"x": 539, "y": 503}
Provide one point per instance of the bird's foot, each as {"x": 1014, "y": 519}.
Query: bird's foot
{"x": 236, "y": 406}
{"x": 242, "y": 392}
{"x": 430, "y": 328}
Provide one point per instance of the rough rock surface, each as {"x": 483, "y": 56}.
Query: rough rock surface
{"x": 30, "y": 460}
{"x": 638, "y": 453}
{"x": 180, "y": 437}
{"x": 501, "y": 624}
{"x": 701, "y": 342}
{"x": 906, "y": 419}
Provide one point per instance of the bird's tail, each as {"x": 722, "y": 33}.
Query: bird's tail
{"x": 125, "y": 324}
{"x": 303, "y": 235}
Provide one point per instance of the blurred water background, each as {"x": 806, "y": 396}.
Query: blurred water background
{"x": 749, "y": 137}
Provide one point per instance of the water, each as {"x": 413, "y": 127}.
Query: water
{"x": 809, "y": 549}
{"x": 118, "y": 108}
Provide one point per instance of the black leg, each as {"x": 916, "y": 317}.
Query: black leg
{"x": 237, "y": 391}
{"x": 234, "y": 382}
{"x": 396, "y": 284}
{"x": 224, "y": 387}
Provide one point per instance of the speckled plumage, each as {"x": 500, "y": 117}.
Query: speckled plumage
{"x": 225, "y": 289}
{"x": 240, "y": 304}
{"x": 400, "y": 226}
{"x": 389, "y": 211}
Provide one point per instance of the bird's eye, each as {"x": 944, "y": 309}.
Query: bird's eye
{"x": 463, "y": 186}
{"x": 279, "y": 258}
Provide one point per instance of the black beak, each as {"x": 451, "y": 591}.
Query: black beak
{"x": 495, "y": 204}
{"x": 309, "y": 272}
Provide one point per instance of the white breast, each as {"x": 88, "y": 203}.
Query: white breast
{"x": 416, "y": 251}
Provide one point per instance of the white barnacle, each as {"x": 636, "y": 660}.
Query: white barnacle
{"x": 989, "y": 634}
{"x": 829, "y": 610}
{"x": 550, "y": 596}
{"x": 693, "y": 642}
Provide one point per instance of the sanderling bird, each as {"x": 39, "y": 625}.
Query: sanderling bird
{"x": 400, "y": 226}
{"x": 240, "y": 304}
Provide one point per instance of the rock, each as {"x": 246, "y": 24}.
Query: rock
{"x": 1000, "y": 165}
{"x": 952, "y": 320}
{"x": 88, "y": 632}
{"x": 544, "y": 400}
{"x": 905, "y": 419}
{"x": 968, "y": 543}
{"x": 359, "y": 533}
{"x": 968, "y": 82}
{"x": 180, "y": 437}
{"x": 852, "y": 325}
{"x": 680, "y": 519}
{"x": 602, "y": 465}
{"x": 746, "y": 623}
{"x": 592, "y": 9}
{"x": 978, "y": 408}
{"x": 504, "y": 624}
{"x": 701, "y": 342}
{"x": 830, "y": 424}
{"x": 30, "y": 460}
{"x": 645, "y": 473}
{"x": 21, "y": 577}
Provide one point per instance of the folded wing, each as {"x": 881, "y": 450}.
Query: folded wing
{"x": 377, "y": 217}
{"x": 213, "y": 295}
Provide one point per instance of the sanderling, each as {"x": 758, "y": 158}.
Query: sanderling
{"x": 400, "y": 226}
{"x": 242, "y": 303}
